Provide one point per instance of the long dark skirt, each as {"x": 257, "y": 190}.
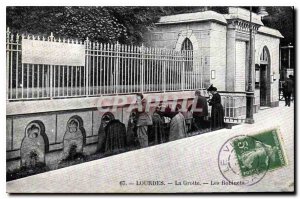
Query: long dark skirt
{"x": 115, "y": 137}
{"x": 157, "y": 133}
{"x": 217, "y": 117}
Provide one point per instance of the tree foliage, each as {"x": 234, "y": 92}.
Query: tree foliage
{"x": 110, "y": 24}
{"x": 74, "y": 22}
{"x": 103, "y": 24}
{"x": 282, "y": 19}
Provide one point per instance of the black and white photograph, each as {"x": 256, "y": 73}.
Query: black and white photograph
{"x": 149, "y": 99}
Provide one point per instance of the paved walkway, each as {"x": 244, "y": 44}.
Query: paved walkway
{"x": 186, "y": 160}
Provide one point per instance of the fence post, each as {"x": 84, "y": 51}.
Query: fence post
{"x": 87, "y": 67}
{"x": 201, "y": 67}
{"x": 142, "y": 68}
{"x": 183, "y": 75}
{"x": 50, "y": 82}
{"x": 117, "y": 76}
{"x": 164, "y": 72}
{"x": 51, "y": 37}
{"x": 7, "y": 63}
{"x": 17, "y": 63}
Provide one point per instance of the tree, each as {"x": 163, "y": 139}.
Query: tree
{"x": 282, "y": 19}
{"x": 124, "y": 24}
{"x": 74, "y": 22}
{"x": 103, "y": 24}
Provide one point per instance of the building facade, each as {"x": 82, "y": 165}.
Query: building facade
{"x": 220, "y": 44}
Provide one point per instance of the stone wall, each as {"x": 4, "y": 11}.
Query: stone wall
{"x": 48, "y": 137}
{"x": 218, "y": 55}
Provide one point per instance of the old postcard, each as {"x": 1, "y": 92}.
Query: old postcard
{"x": 128, "y": 99}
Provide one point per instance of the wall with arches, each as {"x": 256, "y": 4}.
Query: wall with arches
{"x": 54, "y": 133}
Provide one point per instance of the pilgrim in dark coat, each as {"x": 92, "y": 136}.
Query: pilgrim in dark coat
{"x": 288, "y": 87}
{"x": 199, "y": 109}
{"x": 101, "y": 133}
{"x": 157, "y": 131}
{"x": 131, "y": 137}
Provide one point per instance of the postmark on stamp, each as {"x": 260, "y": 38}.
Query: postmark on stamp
{"x": 259, "y": 153}
{"x": 245, "y": 160}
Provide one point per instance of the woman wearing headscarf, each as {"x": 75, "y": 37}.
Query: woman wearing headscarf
{"x": 217, "y": 112}
{"x": 101, "y": 133}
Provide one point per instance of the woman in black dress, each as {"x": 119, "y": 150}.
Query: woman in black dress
{"x": 217, "y": 112}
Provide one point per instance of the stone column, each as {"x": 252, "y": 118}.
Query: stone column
{"x": 230, "y": 57}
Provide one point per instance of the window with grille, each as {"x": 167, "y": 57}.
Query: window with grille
{"x": 187, "y": 49}
{"x": 264, "y": 56}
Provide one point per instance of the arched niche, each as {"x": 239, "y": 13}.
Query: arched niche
{"x": 34, "y": 145}
{"x": 74, "y": 138}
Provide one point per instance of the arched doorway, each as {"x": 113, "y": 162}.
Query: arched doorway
{"x": 265, "y": 86}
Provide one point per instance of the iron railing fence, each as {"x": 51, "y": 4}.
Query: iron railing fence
{"x": 234, "y": 104}
{"x": 107, "y": 69}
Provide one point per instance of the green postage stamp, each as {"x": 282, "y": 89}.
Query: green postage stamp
{"x": 259, "y": 153}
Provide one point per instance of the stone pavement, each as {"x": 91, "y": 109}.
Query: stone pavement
{"x": 193, "y": 159}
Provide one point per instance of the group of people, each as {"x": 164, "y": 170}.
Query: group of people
{"x": 144, "y": 130}
{"x": 164, "y": 124}
{"x": 152, "y": 128}
{"x": 200, "y": 109}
